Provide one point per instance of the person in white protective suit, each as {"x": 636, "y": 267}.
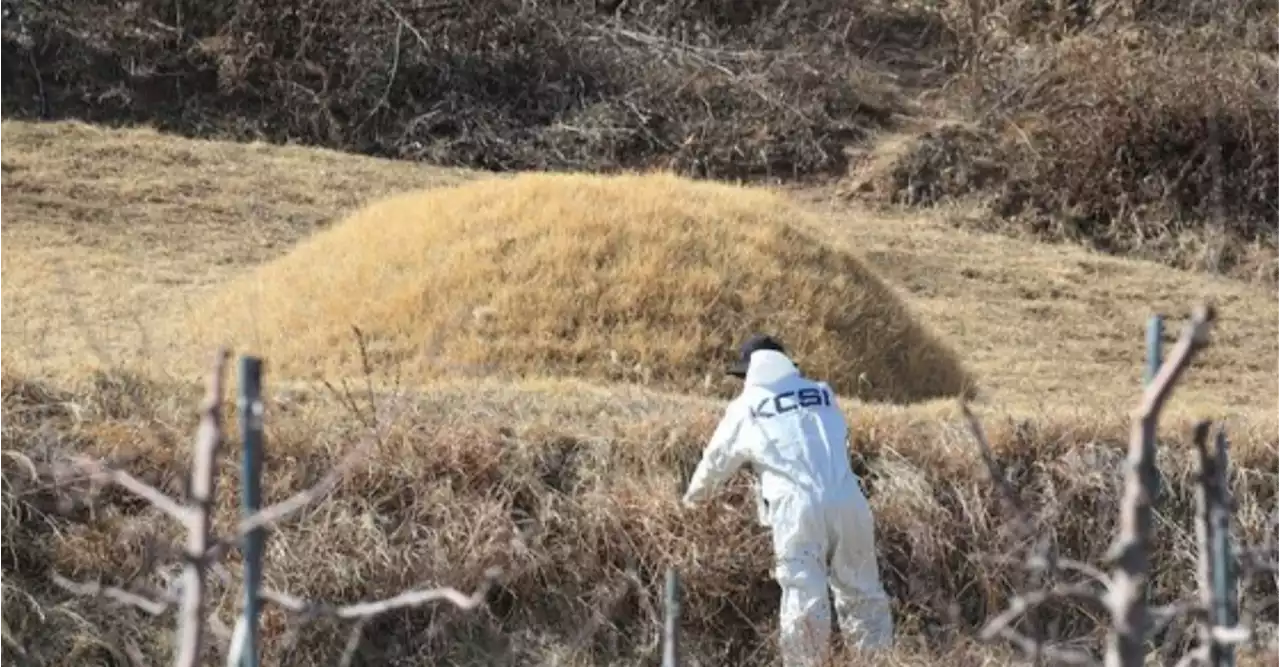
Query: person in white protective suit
{"x": 791, "y": 432}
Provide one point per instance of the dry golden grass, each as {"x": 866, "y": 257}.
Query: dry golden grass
{"x": 1052, "y": 326}
{"x": 1038, "y": 325}
{"x": 575, "y": 275}
{"x": 586, "y": 475}
{"x": 123, "y": 225}
{"x": 573, "y": 490}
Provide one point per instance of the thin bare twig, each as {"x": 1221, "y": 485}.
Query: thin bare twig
{"x": 154, "y": 607}
{"x": 370, "y": 609}
{"x": 391, "y": 77}
{"x": 101, "y": 471}
{"x": 377, "y": 424}
{"x": 1052, "y": 563}
{"x": 993, "y": 467}
{"x": 203, "y": 550}
{"x": 353, "y": 641}
{"x": 1025, "y": 602}
{"x": 1001, "y": 625}
{"x": 282, "y": 510}
{"x": 400, "y": 18}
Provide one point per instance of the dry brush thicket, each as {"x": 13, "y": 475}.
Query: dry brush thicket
{"x": 1144, "y": 128}
{"x": 575, "y": 497}
{"x": 1089, "y": 121}
{"x": 493, "y": 84}
{"x": 1147, "y": 129}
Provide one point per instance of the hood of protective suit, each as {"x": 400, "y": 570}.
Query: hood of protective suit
{"x": 769, "y": 367}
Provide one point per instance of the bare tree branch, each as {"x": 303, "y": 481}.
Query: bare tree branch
{"x": 1001, "y": 625}
{"x": 1025, "y": 602}
{"x": 353, "y": 641}
{"x": 1123, "y": 591}
{"x": 101, "y": 471}
{"x": 993, "y": 467}
{"x": 1053, "y": 564}
{"x": 203, "y": 480}
{"x": 370, "y": 609}
{"x": 278, "y": 512}
{"x": 1127, "y": 597}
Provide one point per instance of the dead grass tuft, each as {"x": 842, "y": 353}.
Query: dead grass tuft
{"x": 645, "y": 278}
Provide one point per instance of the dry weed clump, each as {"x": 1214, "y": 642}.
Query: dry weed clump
{"x": 1144, "y": 129}
{"x": 575, "y": 497}
{"x": 1136, "y": 147}
{"x": 1151, "y": 133}
{"x": 759, "y": 89}
{"x": 648, "y": 278}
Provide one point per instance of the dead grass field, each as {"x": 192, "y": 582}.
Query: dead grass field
{"x": 1039, "y": 325}
{"x": 570, "y": 486}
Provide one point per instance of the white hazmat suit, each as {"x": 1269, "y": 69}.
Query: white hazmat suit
{"x": 791, "y": 432}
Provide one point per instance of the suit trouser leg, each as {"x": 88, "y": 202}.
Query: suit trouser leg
{"x": 800, "y": 546}
{"x": 861, "y": 605}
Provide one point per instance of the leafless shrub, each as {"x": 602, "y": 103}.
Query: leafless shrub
{"x": 1145, "y": 129}
{"x": 204, "y": 547}
{"x": 1124, "y": 592}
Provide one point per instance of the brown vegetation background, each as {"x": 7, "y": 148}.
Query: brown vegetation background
{"x": 1141, "y": 127}
{"x": 576, "y": 499}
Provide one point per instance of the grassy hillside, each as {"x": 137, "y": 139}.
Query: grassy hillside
{"x": 571, "y": 486}
{"x": 1037, "y": 325}
{"x": 1143, "y": 128}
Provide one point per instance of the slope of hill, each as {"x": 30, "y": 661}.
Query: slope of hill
{"x": 1038, "y": 325}
{"x": 571, "y": 487}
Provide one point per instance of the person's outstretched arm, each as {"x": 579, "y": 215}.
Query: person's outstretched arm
{"x": 721, "y": 458}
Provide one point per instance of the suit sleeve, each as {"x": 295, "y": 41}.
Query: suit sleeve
{"x": 721, "y": 458}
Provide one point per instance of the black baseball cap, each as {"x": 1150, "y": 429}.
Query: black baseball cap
{"x": 755, "y": 343}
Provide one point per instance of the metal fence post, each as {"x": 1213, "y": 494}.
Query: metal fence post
{"x": 1155, "y": 354}
{"x": 671, "y": 625}
{"x": 250, "y": 409}
{"x": 1223, "y": 613}
{"x": 1155, "y": 331}
{"x": 1155, "y": 357}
